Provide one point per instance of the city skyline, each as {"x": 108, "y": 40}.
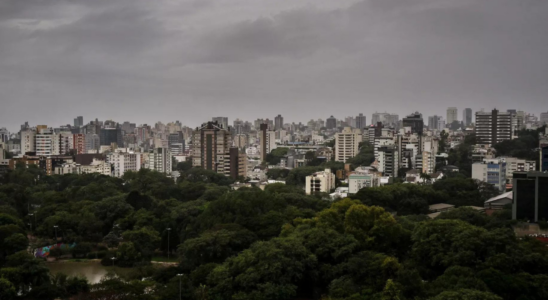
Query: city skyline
{"x": 148, "y": 61}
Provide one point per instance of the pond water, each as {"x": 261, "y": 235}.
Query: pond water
{"x": 92, "y": 270}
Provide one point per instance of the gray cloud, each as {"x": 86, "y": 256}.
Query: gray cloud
{"x": 146, "y": 61}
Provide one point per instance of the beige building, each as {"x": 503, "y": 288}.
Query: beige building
{"x": 347, "y": 144}
{"x": 320, "y": 182}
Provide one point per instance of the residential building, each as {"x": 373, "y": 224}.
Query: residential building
{"x": 467, "y": 117}
{"x": 358, "y": 181}
{"x": 544, "y": 118}
{"x": 78, "y": 121}
{"x": 414, "y": 121}
{"x": 331, "y": 123}
{"x": 79, "y": 143}
{"x": 210, "y": 147}
{"x": 237, "y": 164}
{"x": 514, "y": 164}
{"x": 124, "y": 161}
{"x": 492, "y": 171}
{"x": 360, "y": 122}
{"x": 270, "y": 141}
{"x": 240, "y": 141}
{"x": 493, "y": 127}
{"x": 433, "y": 122}
{"x": 388, "y": 160}
{"x": 96, "y": 166}
{"x": 278, "y": 122}
{"x": 4, "y": 135}
{"x": 498, "y": 202}
{"x": 28, "y": 139}
{"x": 320, "y": 182}
{"x": 262, "y": 140}
{"x": 452, "y": 115}
{"x": 160, "y": 160}
{"x": 347, "y": 143}
{"x": 44, "y": 142}
{"x": 530, "y": 196}
{"x": 111, "y": 136}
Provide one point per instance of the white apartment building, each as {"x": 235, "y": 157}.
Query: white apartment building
{"x": 270, "y": 141}
{"x": 28, "y": 138}
{"x": 123, "y": 162}
{"x": 44, "y": 141}
{"x": 320, "y": 182}
{"x": 514, "y": 164}
{"x": 97, "y": 166}
{"x": 358, "y": 181}
{"x": 492, "y": 171}
{"x": 382, "y": 141}
{"x": 347, "y": 144}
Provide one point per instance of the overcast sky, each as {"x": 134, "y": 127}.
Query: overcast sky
{"x": 164, "y": 60}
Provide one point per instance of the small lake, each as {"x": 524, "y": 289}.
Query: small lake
{"x": 92, "y": 270}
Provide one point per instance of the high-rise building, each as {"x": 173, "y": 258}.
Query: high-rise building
{"x": 467, "y": 116}
{"x": 493, "y": 127}
{"x": 414, "y": 121}
{"x": 544, "y": 118}
{"x": 320, "y": 182}
{"x": 331, "y": 123}
{"x": 160, "y": 160}
{"x": 360, "y": 121}
{"x": 388, "y": 160}
{"x": 210, "y": 147}
{"x": 492, "y": 171}
{"x": 79, "y": 143}
{"x": 78, "y": 121}
{"x": 28, "y": 139}
{"x": 262, "y": 140}
{"x": 452, "y": 115}
{"x": 4, "y": 135}
{"x": 278, "y": 122}
{"x": 223, "y": 121}
{"x": 347, "y": 143}
{"x": 44, "y": 142}
{"x": 530, "y": 196}
{"x": 433, "y": 122}
{"x": 111, "y": 135}
{"x": 237, "y": 164}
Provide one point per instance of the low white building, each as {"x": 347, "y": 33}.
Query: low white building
{"x": 320, "y": 182}
{"x": 358, "y": 181}
{"x": 97, "y": 166}
{"x": 123, "y": 162}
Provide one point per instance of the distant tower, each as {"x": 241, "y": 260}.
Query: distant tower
{"x": 278, "y": 122}
{"x": 467, "y": 116}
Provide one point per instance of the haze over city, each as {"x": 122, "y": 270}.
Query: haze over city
{"x": 148, "y": 61}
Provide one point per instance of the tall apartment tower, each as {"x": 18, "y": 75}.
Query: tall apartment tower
{"x": 467, "y": 116}
{"x": 347, "y": 143}
{"x": 493, "y": 127}
{"x": 78, "y": 121}
{"x": 361, "y": 122}
{"x": 237, "y": 164}
{"x": 331, "y": 123}
{"x": 452, "y": 115}
{"x": 210, "y": 147}
{"x": 433, "y": 122}
{"x": 160, "y": 160}
{"x": 4, "y": 135}
{"x": 262, "y": 138}
{"x": 414, "y": 121}
{"x": 278, "y": 122}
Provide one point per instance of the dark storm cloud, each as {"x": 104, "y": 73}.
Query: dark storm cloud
{"x": 189, "y": 60}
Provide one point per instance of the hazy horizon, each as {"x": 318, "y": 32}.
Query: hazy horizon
{"x": 147, "y": 61}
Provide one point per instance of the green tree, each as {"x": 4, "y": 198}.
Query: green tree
{"x": 145, "y": 240}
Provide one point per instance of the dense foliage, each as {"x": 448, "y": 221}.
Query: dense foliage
{"x": 252, "y": 244}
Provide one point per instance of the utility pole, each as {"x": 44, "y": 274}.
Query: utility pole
{"x": 55, "y": 233}
{"x": 180, "y": 289}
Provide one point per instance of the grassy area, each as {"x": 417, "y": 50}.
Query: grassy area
{"x": 164, "y": 259}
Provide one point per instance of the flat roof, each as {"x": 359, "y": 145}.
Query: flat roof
{"x": 434, "y": 215}
{"x": 440, "y": 206}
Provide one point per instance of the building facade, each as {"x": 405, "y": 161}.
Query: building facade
{"x": 530, "y": 196}
{"x": 493, "y": 127}
{"x": 452, "y": 113}
{"x": 320, "y": 182}
{"x": 210, "y": 147}
{"x": 492, "y": 171}
{"x": 347, "y": 144}
{"x": 467, "y": 117}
